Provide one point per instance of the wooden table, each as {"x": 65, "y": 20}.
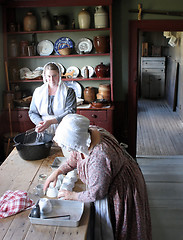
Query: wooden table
{"x": 18, "y": 174}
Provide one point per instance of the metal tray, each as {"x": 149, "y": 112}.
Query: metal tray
{"x": 58, "y": 161}
{"x": 61, "y": 207}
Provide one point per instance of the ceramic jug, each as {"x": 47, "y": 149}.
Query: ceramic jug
{"x": 30, "y": 22}
{"x": 89, "y": 94}
{"x": 100, "y": 18}
{"x": 45, "y": 22}
{"x": 101, "y": 44}
{"x": 84, "y": 19}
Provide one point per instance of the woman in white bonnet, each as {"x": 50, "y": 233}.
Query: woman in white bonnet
{"x": 51, "y": 101}
{"x": 115, "y": 185}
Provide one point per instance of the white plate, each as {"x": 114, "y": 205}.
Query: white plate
{"x": 76, "y": 86}
{"x": 84, "y": 45}
{"x": 45, "y": 48}
{"x": 23, "y": 72}
{"x": 62, "y": 67}
{"x": 75, "y": 69}
{"x": 91, "y": 71}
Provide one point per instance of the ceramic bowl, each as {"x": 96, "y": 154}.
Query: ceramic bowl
{"x": 45, "y": 205}
{"x": 52, "y": 192}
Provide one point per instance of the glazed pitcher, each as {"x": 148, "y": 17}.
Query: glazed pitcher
{"x": 100, "y": 18}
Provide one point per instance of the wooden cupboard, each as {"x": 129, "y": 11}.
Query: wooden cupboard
{"x": 13, "y": 15}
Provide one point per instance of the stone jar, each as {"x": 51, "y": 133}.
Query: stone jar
{"x": 89, "y": 94}
{"x": 45, "y": 22}
{"x": 101, "y": 44}
{"x": 30, "y": 22}
{"x": 100, "y": 18}
{"x": 84, "y": 19}
{"x": 104, "y": 92}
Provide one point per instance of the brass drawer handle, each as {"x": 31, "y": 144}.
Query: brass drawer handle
{"x": 19, "y": 115}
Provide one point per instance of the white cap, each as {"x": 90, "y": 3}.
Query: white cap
{"x": 72, "y": 132}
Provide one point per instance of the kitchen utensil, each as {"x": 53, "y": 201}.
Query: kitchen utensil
{"x": 52, "y": 191}
{"x": 38, "y": 190}
{"x": 34, "y": 150}
{"x": 99, "y": 103}
{"x": 35, "y": 213}
{"x": 66, "y": 217}
{"x": 45, "y": 205}
{"x": 61, "y": 208}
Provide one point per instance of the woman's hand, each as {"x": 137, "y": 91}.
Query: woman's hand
{"x": 43, "y": 125}
{"x": 67, "y": 195}
{"x": 52, "y": 178}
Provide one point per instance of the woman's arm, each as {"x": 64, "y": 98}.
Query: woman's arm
{"x": 34, "y": 115}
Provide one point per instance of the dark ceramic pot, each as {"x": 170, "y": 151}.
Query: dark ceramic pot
{"x": 102, "y": 70}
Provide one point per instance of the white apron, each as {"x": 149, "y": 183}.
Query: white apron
{"x": 41, "y": 101}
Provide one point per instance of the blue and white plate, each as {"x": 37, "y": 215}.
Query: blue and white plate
{"x": 63, "y": 42}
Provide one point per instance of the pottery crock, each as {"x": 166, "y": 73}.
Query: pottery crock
{"x": 102, "y": 70}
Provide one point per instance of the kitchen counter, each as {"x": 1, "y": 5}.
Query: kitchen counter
{"x": 19, "y": 174}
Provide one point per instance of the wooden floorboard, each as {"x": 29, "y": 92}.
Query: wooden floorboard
{"x": 159, "y": 129}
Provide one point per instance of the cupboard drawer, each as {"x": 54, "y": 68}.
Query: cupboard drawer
{"x": 95, "y": 115}
{"x": 23, "y": 116}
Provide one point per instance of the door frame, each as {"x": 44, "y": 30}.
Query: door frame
{"x": 134, "y": 27}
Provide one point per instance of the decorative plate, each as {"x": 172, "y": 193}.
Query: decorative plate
{"x": 73, "y": 69}
{"x": 84, "y": 45}
{"x": 62, "y": 68}
{"x": 24, "y": 71}
{"x": 91, "y": 71}
{"x": 63, "y": 42}
{"x": 76, "y": 86}
{"x": 45, "y": 48}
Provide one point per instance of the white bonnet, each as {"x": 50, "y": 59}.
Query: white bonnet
{"x": 72, "y": 132}
{"x": 59, "y": 68}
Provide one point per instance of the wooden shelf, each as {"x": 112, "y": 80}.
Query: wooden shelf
{"x": 64, "y": 79}
{"x": 61, "y": 56}
{"x": 58, "y": 31}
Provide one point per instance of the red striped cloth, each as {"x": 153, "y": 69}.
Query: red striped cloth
{"x": 14, "y": 202}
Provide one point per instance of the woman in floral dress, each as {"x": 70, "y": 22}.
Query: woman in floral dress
{"x": 115, "y": 184}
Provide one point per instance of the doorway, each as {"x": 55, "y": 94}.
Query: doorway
{"x": 133, "y": 84}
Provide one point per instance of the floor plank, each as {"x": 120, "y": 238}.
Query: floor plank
{"x": 159, "y": 129}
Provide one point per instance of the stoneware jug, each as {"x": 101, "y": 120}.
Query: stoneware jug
{"x": 100, "y": 18}
{"x": 45, "y": 22}
{"x": 101, "y": 44}
{"x": 84, "y": 19}
{"x": 30, "y": 22}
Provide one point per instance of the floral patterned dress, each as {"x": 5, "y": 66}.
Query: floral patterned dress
{"x": 110, "y": 171}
